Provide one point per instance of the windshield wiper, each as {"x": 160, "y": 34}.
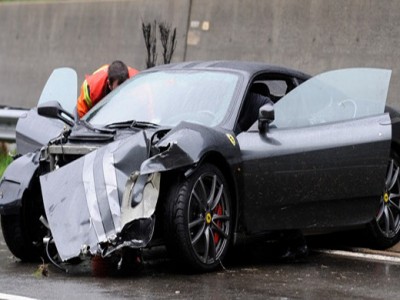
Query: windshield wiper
{"x": 96, "y": 129}
{"x": 132, "y": 123}
{"x": 144, "y": 124}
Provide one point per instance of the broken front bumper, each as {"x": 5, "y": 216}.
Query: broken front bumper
{"x": 99, "y": 202}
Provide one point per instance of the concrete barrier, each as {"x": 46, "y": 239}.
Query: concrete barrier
{"x": 36, "y": 37}
{"x": 310, "y": 35}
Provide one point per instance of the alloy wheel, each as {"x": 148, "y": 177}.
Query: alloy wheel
{"x": 209, "y": 218}
{"x": 388, "y": 216}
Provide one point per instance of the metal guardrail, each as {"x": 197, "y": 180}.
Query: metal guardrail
{"x": 8, "y": 120}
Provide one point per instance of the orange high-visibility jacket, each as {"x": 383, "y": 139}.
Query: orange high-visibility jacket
{"x": 94, "y": 88}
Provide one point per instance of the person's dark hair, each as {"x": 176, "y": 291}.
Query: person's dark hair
{"x": 117, "y": 71}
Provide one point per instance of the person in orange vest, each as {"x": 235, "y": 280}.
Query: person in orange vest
{"x": 100, "y": 83}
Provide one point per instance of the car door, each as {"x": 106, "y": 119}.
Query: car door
{"x": 34, "y": 131}
{"x": 322, "y": 162}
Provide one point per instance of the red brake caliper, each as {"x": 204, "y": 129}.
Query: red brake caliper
{"x": 218, "y": 211}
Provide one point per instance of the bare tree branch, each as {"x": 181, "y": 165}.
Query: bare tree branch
{"x": 168, "y": 44}
{"x": 150, "y": 39}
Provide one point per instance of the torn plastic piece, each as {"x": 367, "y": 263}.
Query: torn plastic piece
{"x": 143, "y": 197}
{"x": 137, "y": 234}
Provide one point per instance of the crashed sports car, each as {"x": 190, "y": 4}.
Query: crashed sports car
{"x": 200, "y": 155}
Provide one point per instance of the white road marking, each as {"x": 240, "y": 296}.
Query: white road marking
{"x": 377, "y": 257}
{"x": 14, "y": 297}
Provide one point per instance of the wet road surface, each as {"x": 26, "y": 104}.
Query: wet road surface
{"x": 251, "y": 274}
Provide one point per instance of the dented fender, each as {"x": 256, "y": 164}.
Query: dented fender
{"x": 186, "y": 144}
{"x": 15, "y": 181}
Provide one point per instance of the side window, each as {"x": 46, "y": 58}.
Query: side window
{"x": 265, "y": 88}
{"x": 258, "y": 94}
{"x": 277, "y": 88}
{"x": 334, "y": 96}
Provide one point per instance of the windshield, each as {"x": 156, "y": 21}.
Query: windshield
{"x": 167, "y": 98}
{"x": 334, "y": 96}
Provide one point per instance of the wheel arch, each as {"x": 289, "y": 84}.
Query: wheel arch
{"x": 173, "y": 177}
{"x": 174, "y": 203}
{"x": 17, "y": 180}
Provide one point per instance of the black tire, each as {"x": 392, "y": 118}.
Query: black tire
{"x": 385, "y": 228}
{"x": 23, "y": 232}
{"x": 198, "y": 219}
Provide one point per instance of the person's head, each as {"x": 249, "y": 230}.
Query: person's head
{"x": 117, "y": 74}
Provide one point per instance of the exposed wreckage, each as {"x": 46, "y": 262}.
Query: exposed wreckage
{"x": 199, "y": 154}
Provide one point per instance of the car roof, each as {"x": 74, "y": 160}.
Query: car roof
{"x": 248, "y": 67}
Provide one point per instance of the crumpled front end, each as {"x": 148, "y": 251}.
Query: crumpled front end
{"x": 88, "y": 201}
{"x": 106, "y": 199}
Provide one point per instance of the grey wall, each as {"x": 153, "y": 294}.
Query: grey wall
{"x": 36, "y": 37}
{"x": 310, "y": 35}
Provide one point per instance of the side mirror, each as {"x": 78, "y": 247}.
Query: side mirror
{"x": 266, "y": 115}
{"x": 53, "y": 109}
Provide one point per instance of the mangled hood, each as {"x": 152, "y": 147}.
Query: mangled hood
{"x": 83, "y": 199}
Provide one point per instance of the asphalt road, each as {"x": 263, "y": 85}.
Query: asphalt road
{"x": 252, "y": 274}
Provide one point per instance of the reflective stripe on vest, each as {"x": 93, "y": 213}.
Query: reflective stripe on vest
{"x": 86, "y": 95}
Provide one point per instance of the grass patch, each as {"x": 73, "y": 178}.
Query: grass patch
{"x": 5, "y": 160}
